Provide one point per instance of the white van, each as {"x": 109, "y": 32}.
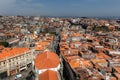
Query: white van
{"x": 18, "y": 76}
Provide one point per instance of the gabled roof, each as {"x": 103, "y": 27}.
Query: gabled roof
{"x": 47, "y": 60}
{"x": 49, "y": 75}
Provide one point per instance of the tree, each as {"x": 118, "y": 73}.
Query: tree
{"x": 5, "y": 44}
{"x": 1, "y": 16}
{"x": 101, "y": 28}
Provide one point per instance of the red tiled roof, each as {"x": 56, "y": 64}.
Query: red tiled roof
{"x": 117, "y": 75}
{"x": 113, "y": 78}
{"x": 49, "y": 75}
{"x": 46, "y": 60}
{"x": 79, "y": 63}
{"x": 42, "y": 45}
{"x": 117, "y": 69}
{"x": 1, "y": 47}
{"x": 9, "y": 52}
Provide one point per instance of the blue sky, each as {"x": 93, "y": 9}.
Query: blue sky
{"x": 60, "y": 7}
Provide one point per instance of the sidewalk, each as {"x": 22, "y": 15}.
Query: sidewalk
{"x": 23, "y": 73}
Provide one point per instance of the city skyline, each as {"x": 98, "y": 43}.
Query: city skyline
{"x": 60, "y": 7}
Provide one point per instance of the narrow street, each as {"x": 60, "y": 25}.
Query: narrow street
{"x": 26, "y": 75}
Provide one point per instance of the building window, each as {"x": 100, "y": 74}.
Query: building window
{"x": 1, "y": 63}
{"x": 12, "y": 59}
{"x": 4, "y": 62}
{"x": 16, "y": 58}
{"x": 9, "y": 60}
{"x": 19, "y": 58}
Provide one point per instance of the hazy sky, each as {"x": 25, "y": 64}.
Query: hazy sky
{"x": 60, "y": 7}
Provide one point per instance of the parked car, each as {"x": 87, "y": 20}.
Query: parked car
{"x": 18, "y": 76}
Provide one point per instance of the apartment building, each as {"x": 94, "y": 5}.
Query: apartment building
{"x": 14, "y": 60}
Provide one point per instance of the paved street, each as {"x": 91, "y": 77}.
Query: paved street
{"x": 26, "y": 75}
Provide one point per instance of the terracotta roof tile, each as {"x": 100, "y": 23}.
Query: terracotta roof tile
{"x": 46, "y": 60}
{"x": 11, "y": 52}
{"x": 43, "y": 43}
{"x": 39, "y": 48}
{"x": 102, "y": 56}
{"x": 98, "y": 61}
{"x": 117, "y": 69}
{"x": 113, "y": 78}
{"x": 79, "y": 63}
{"x": 49, "y": 75}
{"x": 117, "y": 75}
